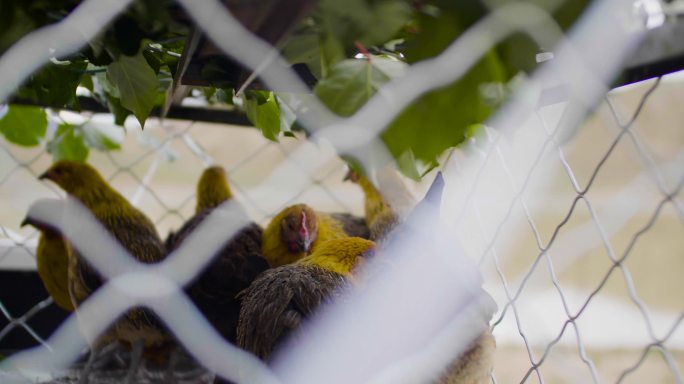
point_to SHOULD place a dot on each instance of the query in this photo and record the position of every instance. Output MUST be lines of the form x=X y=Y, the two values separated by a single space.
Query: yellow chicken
x=212 y=188
x=279 y=299
x=132 y=229
x=52 y=263
x=297 y=231
x=234 y=266
x=381 y=218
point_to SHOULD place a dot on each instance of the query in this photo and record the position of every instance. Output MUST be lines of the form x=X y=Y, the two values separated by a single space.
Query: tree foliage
x=23 y=126
x=352 y=47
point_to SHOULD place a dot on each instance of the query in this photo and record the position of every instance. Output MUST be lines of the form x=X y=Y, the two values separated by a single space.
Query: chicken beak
x=304 y=245
x=351 y=176
x=24 y=222
x=47 y=175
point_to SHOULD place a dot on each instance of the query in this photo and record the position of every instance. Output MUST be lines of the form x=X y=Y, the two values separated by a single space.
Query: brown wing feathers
x=278 y=301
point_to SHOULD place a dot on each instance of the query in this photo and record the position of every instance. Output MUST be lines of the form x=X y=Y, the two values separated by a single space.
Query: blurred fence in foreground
x=577 y=232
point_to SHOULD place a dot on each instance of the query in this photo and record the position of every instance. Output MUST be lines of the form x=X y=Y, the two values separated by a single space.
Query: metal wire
x=493 y=155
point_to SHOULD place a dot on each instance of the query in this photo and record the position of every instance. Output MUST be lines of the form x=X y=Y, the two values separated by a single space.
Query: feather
x=233 y=267
x=131 y=228
x=298 y=230
x=281 y=299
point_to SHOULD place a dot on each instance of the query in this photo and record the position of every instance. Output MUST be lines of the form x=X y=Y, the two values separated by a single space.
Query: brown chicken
x=279 y=300
x=475 y=364
x=233 y=267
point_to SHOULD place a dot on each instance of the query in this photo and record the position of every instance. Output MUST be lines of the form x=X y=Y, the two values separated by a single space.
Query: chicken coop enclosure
x=567 y=201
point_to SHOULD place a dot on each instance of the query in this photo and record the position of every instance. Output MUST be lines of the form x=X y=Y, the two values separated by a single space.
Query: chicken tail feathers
x=434 y=193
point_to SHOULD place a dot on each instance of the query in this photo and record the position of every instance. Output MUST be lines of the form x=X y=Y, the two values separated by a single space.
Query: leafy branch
x=351 y=48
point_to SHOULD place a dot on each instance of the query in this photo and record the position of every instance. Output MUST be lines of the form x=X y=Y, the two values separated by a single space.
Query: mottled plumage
x=474 y=365
x=354 y=226
x=279 y=300
x=233 y=267
x=131 y=228
x=52 y=263
x=212 y=190
x=297 y=231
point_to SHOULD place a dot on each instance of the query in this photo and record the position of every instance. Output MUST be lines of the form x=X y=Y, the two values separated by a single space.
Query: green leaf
x=164 y=85
x=224 y=96
x=208 y=93
x=427 y=168
x=475 y=131
x=435 y=33
x=137 y=84
x=388 y=18
x=107 y=87
x=407 y=164
x=369 y=22
x=352 y=82
x=68 y=144
x=120 y=113
x=87 y=82
x=436 y=121
x=24 y=125
x=303 y=47
x=287 y=116
x=154 y=59
x=15 y=24
x=519 y=51
x=440 y=119
x=172 y=63
x=54 y=85
x=102 y=137
x=332 y=51
x=263 y=111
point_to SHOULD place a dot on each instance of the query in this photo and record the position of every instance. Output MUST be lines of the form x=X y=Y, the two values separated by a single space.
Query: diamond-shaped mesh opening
x=577 y=232
x=594 y=256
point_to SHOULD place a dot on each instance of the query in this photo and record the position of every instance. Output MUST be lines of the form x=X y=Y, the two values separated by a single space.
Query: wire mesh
x=599 y=207
x=572 y=310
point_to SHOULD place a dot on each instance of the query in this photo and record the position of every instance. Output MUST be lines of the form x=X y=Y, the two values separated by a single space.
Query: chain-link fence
x=576 y=230
x=585 y=273
x=157 y=170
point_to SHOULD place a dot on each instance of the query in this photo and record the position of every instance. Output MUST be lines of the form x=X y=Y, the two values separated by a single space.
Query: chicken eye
x=369 y=254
